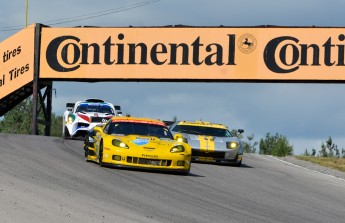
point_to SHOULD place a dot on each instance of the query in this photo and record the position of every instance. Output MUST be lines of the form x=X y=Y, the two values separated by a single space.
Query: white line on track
x=302 y=167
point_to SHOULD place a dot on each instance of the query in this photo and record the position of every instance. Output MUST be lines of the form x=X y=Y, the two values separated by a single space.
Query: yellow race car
x=137 y=142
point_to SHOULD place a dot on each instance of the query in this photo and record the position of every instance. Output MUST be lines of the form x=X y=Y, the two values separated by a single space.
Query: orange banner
x=17 y=61
x=194 y=53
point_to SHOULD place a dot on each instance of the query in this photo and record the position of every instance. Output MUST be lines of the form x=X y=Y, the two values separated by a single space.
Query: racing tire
x=186 y=172
x=66 y=133
x=238 y=164
x=86 y=149
x=100 y=155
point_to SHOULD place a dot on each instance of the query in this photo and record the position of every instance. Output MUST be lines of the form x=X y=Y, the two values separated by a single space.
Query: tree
x=18 y=120
x=306 y=153
x=337 y=153
x=276 y=145
x=313 y=153
x=323 y=151
x=56 y=125
x=328 y=149
x=248 y=146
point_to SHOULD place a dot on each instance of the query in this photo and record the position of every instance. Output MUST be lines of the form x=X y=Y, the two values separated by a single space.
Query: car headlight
x=119 y=143
x=181 y=139
x=232 y=145
x=177 y=149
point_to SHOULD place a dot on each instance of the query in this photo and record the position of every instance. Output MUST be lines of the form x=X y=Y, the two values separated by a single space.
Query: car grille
x=99 y=119
x=212 y=154
x=145 y=161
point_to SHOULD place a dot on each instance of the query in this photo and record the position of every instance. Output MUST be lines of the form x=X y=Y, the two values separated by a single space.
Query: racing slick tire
x=86 y=149
x=186 y=172
x=100 y=156
x=238 y=164
x=66 y=133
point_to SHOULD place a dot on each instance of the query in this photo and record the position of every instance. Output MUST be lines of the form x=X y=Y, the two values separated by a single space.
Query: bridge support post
x=41 y=102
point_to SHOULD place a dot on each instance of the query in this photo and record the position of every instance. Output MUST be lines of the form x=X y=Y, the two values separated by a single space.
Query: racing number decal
x=206 y=143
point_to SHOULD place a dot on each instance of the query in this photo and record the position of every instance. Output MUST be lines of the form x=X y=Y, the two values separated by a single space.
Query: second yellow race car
x=210 y=142
x=137 y=142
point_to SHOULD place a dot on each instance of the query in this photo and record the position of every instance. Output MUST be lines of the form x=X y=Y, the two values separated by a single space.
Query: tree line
x=18 y=120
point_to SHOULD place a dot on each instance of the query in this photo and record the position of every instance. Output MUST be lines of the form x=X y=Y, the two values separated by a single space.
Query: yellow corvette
x=137 y=142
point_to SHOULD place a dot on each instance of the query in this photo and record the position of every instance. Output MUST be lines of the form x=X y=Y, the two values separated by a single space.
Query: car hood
x=219 y=142
x=147 y=142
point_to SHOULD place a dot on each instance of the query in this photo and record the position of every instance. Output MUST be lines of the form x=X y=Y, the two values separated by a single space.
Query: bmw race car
x=137 y=143
x=84 y=115
x=210 y=142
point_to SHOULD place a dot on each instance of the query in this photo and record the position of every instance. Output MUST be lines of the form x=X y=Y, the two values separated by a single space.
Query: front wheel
x=184 y=172
x=66 y=133
x=100 y=155
x=86 y=149
x=238 y=164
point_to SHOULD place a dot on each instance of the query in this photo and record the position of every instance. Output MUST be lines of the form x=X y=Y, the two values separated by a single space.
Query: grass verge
x=330 y=162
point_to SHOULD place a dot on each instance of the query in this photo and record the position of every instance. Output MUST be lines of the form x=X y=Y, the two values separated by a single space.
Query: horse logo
x=247 y=43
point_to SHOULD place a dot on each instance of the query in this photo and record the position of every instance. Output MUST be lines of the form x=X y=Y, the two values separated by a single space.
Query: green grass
x=330 y=162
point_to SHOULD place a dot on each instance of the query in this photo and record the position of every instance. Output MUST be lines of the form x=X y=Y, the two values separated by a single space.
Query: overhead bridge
x=38 y=55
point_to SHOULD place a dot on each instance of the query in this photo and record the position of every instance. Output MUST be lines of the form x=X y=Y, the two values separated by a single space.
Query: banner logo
x=247 y=43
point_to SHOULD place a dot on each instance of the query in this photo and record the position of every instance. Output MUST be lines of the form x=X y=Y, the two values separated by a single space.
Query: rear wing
x=118 y=111
x=168 y=123
x=69 y=106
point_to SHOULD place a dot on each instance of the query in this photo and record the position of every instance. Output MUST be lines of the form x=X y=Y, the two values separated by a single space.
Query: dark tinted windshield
x=130 y=128
x=95 y=108
x=202 y=130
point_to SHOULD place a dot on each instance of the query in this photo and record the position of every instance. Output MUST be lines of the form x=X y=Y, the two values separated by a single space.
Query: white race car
x=82 y=116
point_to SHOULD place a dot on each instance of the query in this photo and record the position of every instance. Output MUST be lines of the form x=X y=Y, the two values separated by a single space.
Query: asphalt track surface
x=45 y=179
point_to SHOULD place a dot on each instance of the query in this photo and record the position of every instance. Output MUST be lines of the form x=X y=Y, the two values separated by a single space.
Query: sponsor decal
x=59 y=59
x=141 y=141
x=13 y=72
x=149 y=156
x=243 y=53
x=278 y=60
x=16 y=61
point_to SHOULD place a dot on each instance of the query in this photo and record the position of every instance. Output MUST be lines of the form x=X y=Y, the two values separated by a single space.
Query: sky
x=306 y=114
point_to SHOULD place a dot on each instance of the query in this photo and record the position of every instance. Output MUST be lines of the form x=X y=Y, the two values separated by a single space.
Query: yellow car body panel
x=147 y=150
x=203 y=123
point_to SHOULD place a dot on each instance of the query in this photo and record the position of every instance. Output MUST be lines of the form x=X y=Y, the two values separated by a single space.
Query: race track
x=45 y=179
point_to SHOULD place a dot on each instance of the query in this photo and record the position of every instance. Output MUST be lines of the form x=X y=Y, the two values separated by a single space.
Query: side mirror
x=240 y=131
x=95 y=130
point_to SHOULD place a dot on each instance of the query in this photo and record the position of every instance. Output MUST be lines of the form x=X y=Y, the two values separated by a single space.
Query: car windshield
x=202 y=130
x=95 y=108
x=145 y=129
